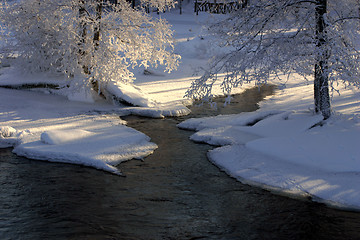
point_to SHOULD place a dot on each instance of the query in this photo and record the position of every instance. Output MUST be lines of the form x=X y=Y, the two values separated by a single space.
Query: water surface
x=176 y=193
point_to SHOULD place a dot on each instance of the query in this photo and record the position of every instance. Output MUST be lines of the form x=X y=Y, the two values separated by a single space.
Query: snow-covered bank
x=129 y=98
x=285 y=146
x=52 y=128
x=67 y=124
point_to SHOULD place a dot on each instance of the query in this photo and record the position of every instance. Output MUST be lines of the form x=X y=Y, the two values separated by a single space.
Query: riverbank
x=287 y=148
x=68 y=125
x=282 y=146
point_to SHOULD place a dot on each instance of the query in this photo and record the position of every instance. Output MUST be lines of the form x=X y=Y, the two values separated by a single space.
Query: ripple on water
x=176 y=193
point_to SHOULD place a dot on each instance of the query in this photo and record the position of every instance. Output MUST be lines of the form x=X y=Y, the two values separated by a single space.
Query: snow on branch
x=97 y=40
x=271 y=38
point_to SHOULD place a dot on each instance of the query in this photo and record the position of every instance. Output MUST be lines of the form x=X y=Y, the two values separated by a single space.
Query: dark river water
x=176 y=193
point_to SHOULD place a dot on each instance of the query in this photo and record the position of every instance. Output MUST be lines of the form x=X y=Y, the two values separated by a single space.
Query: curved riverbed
x=176 y=193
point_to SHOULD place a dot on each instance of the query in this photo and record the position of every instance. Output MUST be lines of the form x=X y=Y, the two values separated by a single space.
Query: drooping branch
x=88 y=41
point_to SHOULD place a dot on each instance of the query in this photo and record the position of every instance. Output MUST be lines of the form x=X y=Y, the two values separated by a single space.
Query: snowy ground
x=285 y=147
x=78 y=127
x=49 y=127
x=282 y=146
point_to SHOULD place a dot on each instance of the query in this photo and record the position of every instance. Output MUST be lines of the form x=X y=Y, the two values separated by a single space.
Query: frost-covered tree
x=94 y=41
x=316 y=39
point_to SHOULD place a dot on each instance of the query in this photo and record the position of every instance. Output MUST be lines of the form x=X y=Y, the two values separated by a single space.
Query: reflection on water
x=245 y=102
x=176 y=193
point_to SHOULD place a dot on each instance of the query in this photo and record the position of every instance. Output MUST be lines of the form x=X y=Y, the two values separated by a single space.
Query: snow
x=129 y=93
x=7 y=131
x=68 y=124
x=43 y=126
x=283 y=146
x=64 y=136
x=101 y=149
x=287 y=148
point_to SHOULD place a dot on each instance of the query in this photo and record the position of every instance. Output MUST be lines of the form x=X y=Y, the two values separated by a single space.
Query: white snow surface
x=129 y=93
x=49 y=127
x=55 y=137
x=287 y=148
x=283 y=146
x=76 y=126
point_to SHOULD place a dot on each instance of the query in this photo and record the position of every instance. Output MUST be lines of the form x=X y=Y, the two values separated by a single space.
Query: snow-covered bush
x=271 y=38
x=95 y=39
x=7 y=131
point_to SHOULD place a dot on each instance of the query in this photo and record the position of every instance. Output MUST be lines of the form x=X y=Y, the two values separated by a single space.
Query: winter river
x=176 y=193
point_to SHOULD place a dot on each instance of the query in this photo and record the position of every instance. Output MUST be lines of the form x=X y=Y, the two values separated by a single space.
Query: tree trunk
x=245 y=3
x=82 y=52
x=321 y=84
x=96 y=38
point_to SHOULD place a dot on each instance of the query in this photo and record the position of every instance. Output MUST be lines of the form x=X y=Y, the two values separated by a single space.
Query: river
x=175 y=193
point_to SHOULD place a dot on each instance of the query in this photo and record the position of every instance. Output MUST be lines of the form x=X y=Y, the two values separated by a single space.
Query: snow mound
x=80 y=95
x=7 y=131
x=160 y=111
x=285 y=124
x=293 y=152
x=242 y=119
x=246 y=127
x=224 y=136
x=322 y=148
x=10 y=137
x=252 y=167
x=63 y=136
x=102 y=149
x=128 y=93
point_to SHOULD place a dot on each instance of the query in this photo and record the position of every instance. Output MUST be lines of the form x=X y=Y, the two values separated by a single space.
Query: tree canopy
x=98 y=40
x=270 y=39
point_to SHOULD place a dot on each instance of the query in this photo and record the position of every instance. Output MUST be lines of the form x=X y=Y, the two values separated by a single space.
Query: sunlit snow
x=289 y=148
x=283 y=146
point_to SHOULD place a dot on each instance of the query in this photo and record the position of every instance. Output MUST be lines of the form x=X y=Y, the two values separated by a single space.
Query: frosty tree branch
x=85 y=40
x=268 y=39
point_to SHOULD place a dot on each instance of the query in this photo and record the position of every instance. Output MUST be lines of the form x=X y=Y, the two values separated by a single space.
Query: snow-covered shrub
x=96 y=39
x=7 y=131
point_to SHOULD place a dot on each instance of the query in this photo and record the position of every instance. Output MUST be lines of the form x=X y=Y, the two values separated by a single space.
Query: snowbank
x=129 y=94
x=7 y=131
x=64 y=136
x=291 y=151
x=52 y=128
x=9 y=136
x=282 y=146
x=102 y=149
x=43 y=124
